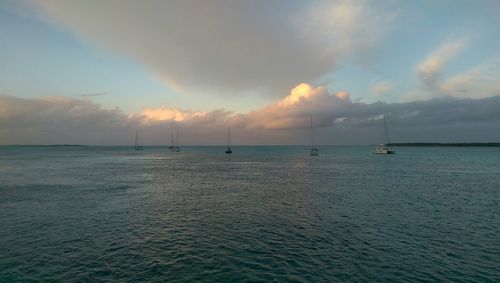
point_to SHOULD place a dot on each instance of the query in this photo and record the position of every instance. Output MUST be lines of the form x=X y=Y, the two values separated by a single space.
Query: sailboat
x=384 y=148
x=172 y=146
x=176 y=147
x=136 y=144
x=314 y=150
x=228 y=149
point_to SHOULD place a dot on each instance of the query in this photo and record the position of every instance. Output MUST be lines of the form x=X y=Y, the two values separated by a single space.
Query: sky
x=94 y=72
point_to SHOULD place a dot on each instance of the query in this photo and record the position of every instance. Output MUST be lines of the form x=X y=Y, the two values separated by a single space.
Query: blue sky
x=190 y=58
x=420 y=28
x=40 y=59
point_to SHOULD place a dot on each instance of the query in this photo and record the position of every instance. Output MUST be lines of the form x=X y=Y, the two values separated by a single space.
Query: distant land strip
x=410 y=144
x=433 y=144
x=45 y=145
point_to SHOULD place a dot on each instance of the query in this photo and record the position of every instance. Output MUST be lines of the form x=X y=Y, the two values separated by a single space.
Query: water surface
x=262 y=213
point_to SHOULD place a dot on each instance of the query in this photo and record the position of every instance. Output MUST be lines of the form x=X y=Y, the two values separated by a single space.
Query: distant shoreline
x=432 y=144
x=47 y=145
x=411 y=144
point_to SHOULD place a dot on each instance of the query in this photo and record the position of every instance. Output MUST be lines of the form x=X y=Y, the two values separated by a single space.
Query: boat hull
x=383 y=149
x=384 y=152
x=314 y=152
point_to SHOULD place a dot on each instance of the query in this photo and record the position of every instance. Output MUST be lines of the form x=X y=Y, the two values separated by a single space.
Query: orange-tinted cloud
x=168 y=114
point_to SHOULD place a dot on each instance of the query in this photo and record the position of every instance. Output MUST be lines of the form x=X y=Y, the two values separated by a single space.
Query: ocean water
x=260 y=214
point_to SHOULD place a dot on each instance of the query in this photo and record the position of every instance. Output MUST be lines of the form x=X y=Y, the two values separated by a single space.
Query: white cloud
x=293 y=111
x=430 y=70
x=478 y=82
x=343 y=28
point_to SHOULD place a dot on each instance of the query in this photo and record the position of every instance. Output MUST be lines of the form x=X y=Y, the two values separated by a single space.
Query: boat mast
x=177 y=137
x=312 y=131
x=172 y=135
x=386 y=131
x=136 y=138
x=228 y=136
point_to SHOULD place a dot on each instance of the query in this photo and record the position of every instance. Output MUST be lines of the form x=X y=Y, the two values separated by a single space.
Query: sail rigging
x=384 y=148
x=136 y=143
x=314 y=150
x=386 y=132
x=228 y=149
x=176 y=147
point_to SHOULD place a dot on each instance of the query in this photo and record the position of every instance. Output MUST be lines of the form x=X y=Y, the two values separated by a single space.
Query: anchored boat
x=228 y=148
x=136 y=144
x=384 y=148
x=314 y=150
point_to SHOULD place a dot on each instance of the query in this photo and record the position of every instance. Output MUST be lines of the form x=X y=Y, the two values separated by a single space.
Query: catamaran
x=228 y=148
x=136 y=144
x=314 y=150
x=384 y=148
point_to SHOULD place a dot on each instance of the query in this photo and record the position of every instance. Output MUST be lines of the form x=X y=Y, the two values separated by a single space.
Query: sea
x=261 y=214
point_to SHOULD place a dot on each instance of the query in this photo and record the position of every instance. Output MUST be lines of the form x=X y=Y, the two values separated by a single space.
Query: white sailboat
x=228 y=148
x=314 y=150
x=136 y=144
x=384 y=148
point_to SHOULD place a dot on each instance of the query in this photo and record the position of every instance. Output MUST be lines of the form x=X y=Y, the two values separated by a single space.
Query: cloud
x=343 y=28
x=478 y=81
x=169 y=114
x=430 y=70
x=379 y=88
x=338 y=119
x=230 y=47
x=59 y=120
x=93 y=94
x=294 y=110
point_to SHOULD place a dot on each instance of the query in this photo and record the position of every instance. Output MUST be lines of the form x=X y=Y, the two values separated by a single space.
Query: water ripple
x=109 y=214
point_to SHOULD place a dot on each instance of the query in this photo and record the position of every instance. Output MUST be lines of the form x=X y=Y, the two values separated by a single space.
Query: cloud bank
x=339 y=120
